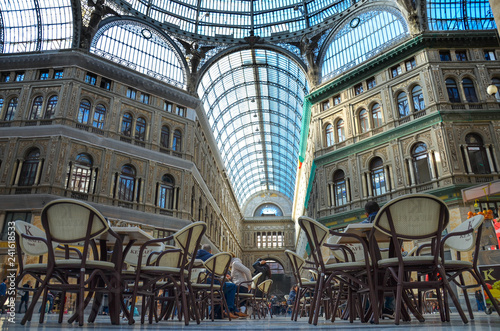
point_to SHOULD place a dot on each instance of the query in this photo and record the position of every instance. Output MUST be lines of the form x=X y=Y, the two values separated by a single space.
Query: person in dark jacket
x=25 y=296
x=371 y=210
x=261 y=266
x=3 y=294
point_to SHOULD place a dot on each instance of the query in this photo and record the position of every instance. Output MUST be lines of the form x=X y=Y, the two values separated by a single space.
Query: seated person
x=239 y=274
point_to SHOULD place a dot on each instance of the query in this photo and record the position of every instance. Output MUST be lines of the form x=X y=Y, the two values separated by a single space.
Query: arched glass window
x=36 y=108
x=329 y=135
x=142 y=48
x=11 y=110
x=50 y=109
x=421 y=163
x=81 y=173
x=376 y=115
x=126 y=125
x=30 y=168
x=477 y=154
x=177 y=143
x=403 y=108
x=126 y=183
x=340 y=188
x=165 y=137
x=268 y=209
x=340 y=131
x=451 y=87
x=84 y=112
x=361 y=38
x=166 y=196
x=363 y=120
x=1 y=105
x=469 y=90
x=377 y=176
x=99 y=116
x=140 y=129
x=418 y=98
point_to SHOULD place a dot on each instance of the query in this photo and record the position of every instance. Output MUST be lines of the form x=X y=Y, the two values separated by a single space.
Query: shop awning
x=481 y=191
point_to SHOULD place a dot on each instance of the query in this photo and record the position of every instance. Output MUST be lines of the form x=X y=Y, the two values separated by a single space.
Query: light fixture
x=256 y=129
x=255 y=115
x=253 y=100
x=492 y=89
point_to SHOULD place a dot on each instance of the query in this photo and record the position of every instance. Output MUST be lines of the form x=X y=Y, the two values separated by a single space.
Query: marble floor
x=481 y=322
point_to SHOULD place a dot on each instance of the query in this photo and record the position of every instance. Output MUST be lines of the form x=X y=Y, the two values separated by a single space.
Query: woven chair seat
x=69 y=263
x=457 y=264
x=408 y=260
x=35 y=266
x=205 y=286
x=345 y=266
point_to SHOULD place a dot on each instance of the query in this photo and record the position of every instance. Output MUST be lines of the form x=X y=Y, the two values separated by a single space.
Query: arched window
x=83 y=112
x=451 y=87
x=340 y=188
x=140 y=129
x=36 y=108
x=166 y=196
x=376 y=116
x=177 y=143
x=30 y=168
x=421 y=163
x=81 y=173
x=477 y=154
x=126 y=183
x=1 y=105
x=363 y=120
x=268 y=209
x=11 y=110
x=165 y=137
x=50 y=108
x=469 y=90
x=99 y=116
x=126 y=125
x=329 y=135
x=403 y=108
x=418 y=98
x=340 y=131
x=377 y=176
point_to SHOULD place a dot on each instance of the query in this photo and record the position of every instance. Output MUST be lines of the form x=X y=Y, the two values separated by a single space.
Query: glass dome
x=230 y=20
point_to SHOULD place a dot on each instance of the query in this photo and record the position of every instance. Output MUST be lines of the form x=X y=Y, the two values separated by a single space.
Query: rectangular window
x=144 y=98
x=410 y=64
x=358 y=89
x=58 y=74
x=445 y=55
x=131 y=93
x=91 y=78
x=181 y=111
x=5 y=77
x=326 y=105
x=336 y=100
x=19 y=76
x=461 y=55
x=396 y=71
x=167 y=106
x=44 y=75
x=489 y=55
x=105 y=83
x=371 y=83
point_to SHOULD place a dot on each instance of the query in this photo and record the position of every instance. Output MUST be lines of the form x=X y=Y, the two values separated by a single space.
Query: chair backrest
x=30 y=246
x=265 y=286
x=170 y=257
x=218 y=264
x=132 y=256
x=255 y=280
x=72 y=221
x=316 y=234
x=297 y=263
x=188 y=240
x=413 y=216
x=465 y=242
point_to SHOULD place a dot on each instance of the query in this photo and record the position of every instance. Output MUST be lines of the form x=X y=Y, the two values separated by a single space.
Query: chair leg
x=42 y=308
x=316 y=300
x=466 y=296
x=452 y=295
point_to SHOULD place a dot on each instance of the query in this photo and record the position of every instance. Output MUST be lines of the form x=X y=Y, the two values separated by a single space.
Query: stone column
x=467 y=160
x=370 y=187
x=38 y=170
x=363 y=184
x=490 y=160
x=432 y=164
x=348 y=189
x=18 y=175
x=412 y=172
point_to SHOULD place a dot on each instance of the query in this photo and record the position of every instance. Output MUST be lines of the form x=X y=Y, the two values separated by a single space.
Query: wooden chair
x=356 y=276
x=412 y=217
x=73 y=222
x=464 y=238
x=305 y=285
x=211 y=293
x=247 y=297
x=260 y=303
x=175 y=279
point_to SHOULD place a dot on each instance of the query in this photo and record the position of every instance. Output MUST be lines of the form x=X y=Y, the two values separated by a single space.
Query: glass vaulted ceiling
x=236 y=19
x=253 y=99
